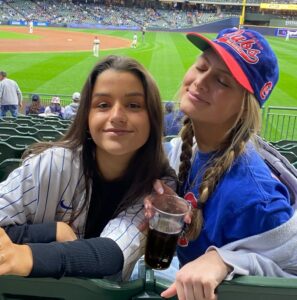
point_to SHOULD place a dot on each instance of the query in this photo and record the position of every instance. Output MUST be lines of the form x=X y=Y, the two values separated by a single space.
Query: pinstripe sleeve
x=32 y=192
x=19 y=195
x=124 y=231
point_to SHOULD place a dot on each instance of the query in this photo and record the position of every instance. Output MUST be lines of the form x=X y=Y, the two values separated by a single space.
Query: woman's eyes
x=129 y=105
x=103 y=105
x=134 y=106
x=223 y=82
x=201 y=68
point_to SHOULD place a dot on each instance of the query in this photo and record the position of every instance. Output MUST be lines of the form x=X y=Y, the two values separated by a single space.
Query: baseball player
x=30 y=26
x=288 y=35
x=96 y=45
x=143 y=33
x=134 y=41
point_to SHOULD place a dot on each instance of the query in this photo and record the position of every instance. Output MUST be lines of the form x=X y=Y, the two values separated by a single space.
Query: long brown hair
x=245 y=128
x=149 y=163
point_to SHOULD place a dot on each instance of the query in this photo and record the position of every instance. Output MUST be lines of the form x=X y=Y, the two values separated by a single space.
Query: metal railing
x=279 y=123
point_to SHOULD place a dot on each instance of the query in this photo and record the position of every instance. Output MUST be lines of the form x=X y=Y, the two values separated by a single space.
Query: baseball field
x=57 y=61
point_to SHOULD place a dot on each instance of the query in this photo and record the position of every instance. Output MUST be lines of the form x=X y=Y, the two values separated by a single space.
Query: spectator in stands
x=169 y=107
x=35 y=107
x=238 y=205
x=71 y=109
x=10 y=95
x=55 y=108
x=94 y=179
x=172 y=120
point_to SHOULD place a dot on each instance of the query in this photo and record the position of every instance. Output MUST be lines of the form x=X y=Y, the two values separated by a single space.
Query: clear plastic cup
x=165 y=226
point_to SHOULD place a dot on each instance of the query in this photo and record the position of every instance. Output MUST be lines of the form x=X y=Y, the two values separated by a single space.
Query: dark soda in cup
x=160 y=249
x=165 y=225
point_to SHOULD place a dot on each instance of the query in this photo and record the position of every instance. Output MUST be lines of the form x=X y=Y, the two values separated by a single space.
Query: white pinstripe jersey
x=50 y=187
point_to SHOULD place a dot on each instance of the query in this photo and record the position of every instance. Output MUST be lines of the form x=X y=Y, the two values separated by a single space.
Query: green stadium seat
x=8 y=124
x=7 y=166
x=47 y=135
x=258 y=288
x=8 y=118
x=21 y=141
x=19 y=288
x=8 y=151
x=25 y=122
x=4 y=137
x=25 y=130
x=240 y=288
x=148 y=287
x=62 y=130
x=290 y=156
x=283 y=143
x=293 y=149
x=44 y=126
x=53 y=122
x=9 y=131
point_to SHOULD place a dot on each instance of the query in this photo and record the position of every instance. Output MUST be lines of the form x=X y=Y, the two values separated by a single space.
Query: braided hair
x=245 y=128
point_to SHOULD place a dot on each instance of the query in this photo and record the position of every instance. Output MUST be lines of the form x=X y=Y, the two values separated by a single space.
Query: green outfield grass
x=15 y=35
x=166 y=55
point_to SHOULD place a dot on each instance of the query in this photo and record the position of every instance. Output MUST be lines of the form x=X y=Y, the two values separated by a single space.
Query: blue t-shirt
x=247 y=201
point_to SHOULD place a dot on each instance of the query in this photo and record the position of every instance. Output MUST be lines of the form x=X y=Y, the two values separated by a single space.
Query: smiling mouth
x=195 y=98
x=117 y=131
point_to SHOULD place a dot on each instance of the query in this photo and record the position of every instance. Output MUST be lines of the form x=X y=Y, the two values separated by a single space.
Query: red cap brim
x=204 y=43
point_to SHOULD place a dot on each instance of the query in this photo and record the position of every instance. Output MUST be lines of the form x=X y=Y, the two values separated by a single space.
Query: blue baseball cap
x=248 y=56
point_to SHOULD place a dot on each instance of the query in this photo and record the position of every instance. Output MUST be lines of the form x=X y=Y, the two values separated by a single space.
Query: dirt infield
x=58 y=40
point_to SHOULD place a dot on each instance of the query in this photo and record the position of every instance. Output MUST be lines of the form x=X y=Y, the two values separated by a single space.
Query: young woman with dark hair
x=90 y=184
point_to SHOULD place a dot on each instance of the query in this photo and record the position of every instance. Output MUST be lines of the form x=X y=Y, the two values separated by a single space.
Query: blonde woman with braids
x=233 y=193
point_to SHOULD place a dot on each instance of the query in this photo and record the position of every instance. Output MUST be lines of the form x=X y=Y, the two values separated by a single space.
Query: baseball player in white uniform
x=96 y=46
x=31 y=26
x=134 y=41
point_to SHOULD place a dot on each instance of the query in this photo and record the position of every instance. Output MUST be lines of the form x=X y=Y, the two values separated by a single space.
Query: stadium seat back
x=21 y=141
x=258 y=288
x=7 y=166
x=25 y=122
x=44 y=126
x=47 y=135
x=27 y=130
x=8 y=124
x=8 y=130
x=19 y=288
x=8 y=151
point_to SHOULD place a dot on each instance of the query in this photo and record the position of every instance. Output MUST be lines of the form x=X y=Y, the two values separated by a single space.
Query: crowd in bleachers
x=142 y=13
x=162 y=15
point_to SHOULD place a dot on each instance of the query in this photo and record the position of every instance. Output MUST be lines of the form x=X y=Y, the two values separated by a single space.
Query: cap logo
x=242 y=45
x=265 y=90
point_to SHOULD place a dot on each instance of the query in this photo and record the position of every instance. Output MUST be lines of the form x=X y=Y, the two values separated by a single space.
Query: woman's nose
x=118 y=114
x=201 y=82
